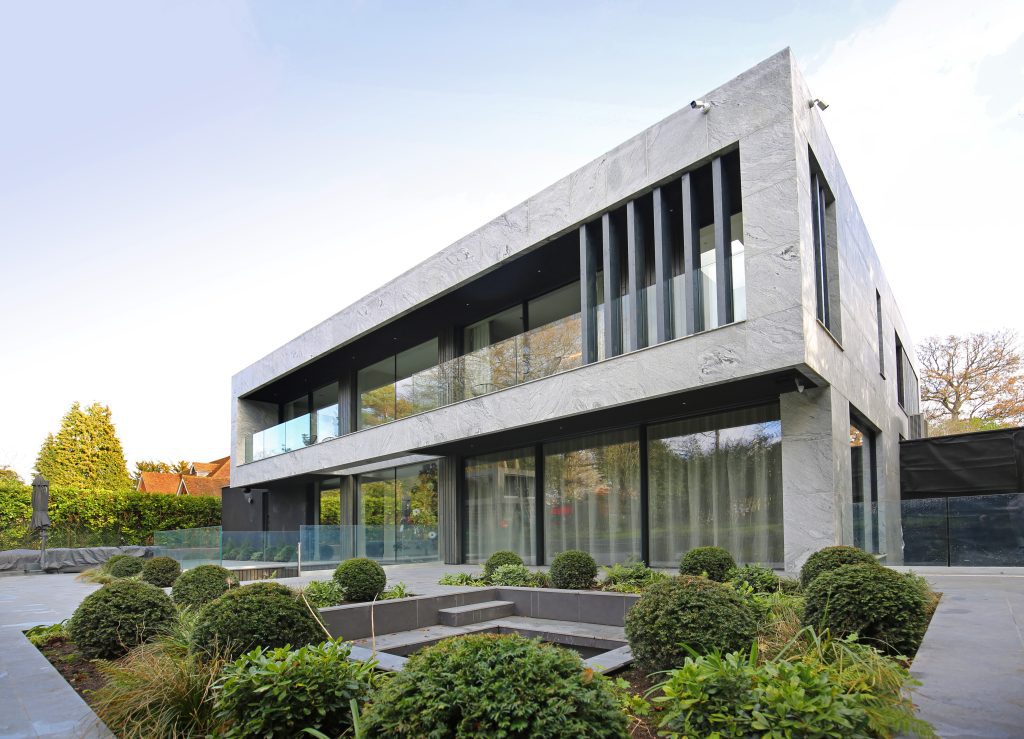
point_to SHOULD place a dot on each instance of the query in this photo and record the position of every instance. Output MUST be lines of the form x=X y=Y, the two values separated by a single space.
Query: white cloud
x=927 y=121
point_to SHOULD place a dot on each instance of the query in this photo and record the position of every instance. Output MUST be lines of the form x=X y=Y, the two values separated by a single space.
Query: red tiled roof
x=200 y=486
x=223 y=469
x=159 y=482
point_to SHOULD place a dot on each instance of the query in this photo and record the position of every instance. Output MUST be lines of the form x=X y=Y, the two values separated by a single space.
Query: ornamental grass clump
x=495 y=685
x=123 y=565
x=119 y=616
x=884 y=608
x=200 y=585
x=714 y=562
x=264 y=614
x=573 y=570
x=674 y=616
x=500 y=558
x=630 y=577
x=161 y=571
x=360 y=579
x=280 y=692
x=830 y=558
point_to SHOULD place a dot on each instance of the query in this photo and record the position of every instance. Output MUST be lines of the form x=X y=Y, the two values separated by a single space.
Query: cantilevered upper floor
x=721 y=244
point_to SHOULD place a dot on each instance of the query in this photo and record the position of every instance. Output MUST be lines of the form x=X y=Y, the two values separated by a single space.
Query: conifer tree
x=85 y=453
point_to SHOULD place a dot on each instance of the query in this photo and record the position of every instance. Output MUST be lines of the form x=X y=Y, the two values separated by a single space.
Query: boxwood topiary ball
x=119 y=616
x=687 y=610
x=831 y=558
x=495 y=685
x=573 y=570
x=126 y=566
x=264 y=614
x=500 y=558
x=361 y=579
x=714 y=561
x=200 y=585
x=884 y=608
x=161 y=571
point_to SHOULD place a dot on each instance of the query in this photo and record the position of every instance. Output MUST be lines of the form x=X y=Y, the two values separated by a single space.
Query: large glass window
x=826 y=251
x=399 y=386
x=500 y=505
x=398 y=513
x=592 y=496
x=325 y=412
x=554 y=342
x=865 y=489
x=717 y=480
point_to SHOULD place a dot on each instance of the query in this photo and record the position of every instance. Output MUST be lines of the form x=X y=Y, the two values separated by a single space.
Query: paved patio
x=971 y=663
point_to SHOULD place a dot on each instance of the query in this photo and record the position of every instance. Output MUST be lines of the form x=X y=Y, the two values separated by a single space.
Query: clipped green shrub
x=573 y=570
x=360 y=579
x=323 y=593
x=513 y=576
x=760 y=579
x=265 y=614
x=256 y=556
x=128 y=566
x=831 y=558
x=714 y=561
x=279 y=692
x=161 y=571
x=116 y=558
x=119 y=616
x=495 y=685
x=200 y=585
x=499 y=558
x=285 y=554
x=883 y=607
x=695 y=611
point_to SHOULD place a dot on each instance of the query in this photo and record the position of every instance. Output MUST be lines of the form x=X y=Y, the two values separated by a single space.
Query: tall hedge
x=100 y=517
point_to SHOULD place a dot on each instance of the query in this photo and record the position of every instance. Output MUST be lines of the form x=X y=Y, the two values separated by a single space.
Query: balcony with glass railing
x=541 y=352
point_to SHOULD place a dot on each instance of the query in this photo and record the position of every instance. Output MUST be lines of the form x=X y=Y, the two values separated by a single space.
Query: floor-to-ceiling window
x=717 y=480
x=592 y=496
x=399 y=386
x=398 y=513
x=500 y=505
x=866 y=534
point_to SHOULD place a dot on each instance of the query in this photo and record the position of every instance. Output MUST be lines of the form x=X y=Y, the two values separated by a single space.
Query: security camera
x=702 y=104
x=818 y=103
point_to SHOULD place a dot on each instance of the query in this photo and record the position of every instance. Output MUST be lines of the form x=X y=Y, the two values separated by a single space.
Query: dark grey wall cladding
x=241 y=511
x=362 y=620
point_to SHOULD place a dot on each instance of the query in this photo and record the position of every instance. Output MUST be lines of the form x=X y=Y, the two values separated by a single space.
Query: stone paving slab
x=971 y=662
x=35 y=700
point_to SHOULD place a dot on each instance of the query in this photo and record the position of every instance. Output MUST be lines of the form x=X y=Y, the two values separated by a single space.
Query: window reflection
x=500 y=505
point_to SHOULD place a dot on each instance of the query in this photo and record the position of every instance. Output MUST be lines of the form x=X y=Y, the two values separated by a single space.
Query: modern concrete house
x=687 y=341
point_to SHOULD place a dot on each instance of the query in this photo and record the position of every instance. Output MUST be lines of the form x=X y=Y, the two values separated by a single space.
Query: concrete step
x=476 y=613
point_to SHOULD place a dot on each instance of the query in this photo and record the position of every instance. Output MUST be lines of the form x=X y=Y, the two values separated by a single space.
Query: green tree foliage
x=100 y=517
x=181 y=467
x=86 y=452
x=9 y=475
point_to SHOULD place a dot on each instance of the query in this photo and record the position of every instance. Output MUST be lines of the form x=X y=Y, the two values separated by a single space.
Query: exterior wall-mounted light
x=817 y=103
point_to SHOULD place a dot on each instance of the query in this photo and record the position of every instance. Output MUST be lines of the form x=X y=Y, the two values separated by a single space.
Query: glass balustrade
x=541 y=352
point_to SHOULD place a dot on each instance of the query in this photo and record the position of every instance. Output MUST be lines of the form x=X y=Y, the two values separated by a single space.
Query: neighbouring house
x=688 y=341
x=203 y=478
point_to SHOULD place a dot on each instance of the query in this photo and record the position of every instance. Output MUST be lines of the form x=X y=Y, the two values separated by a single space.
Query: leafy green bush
x=100 y=517
x=513 y=576
x=113 y=560
x=119 y=616
x=361 y=579
x=573 y=570
x=462 y=578
x=396 y=591
x=495 y=685
x=200 y=585
x=760 y=579
x=323 y=593
x=264 y=614
x=732 y=695
x=692 y=611
x=41 y=635
x=630 y=577
x=831 y=558
x=161 y=571
x=883 y=607
x=713 y=561
x=279 y=692
x=126 y=567
x=499 y=558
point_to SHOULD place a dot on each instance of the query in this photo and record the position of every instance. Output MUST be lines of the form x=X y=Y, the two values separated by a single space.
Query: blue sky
x=187 y=185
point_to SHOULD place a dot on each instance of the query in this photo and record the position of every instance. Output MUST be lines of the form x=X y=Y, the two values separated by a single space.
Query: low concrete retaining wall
x=361 y=620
